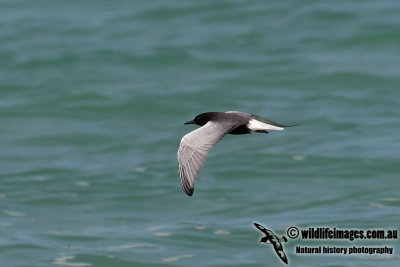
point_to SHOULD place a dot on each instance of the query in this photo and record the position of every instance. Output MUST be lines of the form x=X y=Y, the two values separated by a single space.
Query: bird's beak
x=189 y=122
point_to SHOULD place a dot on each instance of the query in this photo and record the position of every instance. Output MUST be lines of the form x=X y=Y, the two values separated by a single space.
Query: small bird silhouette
x=274 y=240
x=195 y=145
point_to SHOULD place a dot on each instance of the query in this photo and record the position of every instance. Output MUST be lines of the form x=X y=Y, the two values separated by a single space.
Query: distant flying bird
x=274 y=240
x=195 y=145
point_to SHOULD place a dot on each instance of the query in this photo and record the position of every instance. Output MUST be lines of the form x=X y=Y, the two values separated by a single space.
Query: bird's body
x=195 y=145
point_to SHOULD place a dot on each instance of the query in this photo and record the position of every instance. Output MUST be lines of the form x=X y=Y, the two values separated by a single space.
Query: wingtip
x=189 y=191
x=293 y=125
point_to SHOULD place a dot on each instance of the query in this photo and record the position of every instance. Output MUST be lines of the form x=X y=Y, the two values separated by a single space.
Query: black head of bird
x=201 y=119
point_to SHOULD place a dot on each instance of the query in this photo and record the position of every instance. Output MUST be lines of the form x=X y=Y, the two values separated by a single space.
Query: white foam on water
x=391 y=199
x=177 y=258
x=141 y=169
x=14 y=213
x=299 y=157
x=222 y=232
x=200 y=227
x=161 y=234
x=376 y=205
x=65 y=261
x=82 y=184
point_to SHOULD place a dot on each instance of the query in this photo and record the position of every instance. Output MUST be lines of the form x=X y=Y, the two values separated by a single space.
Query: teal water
x=93 y=96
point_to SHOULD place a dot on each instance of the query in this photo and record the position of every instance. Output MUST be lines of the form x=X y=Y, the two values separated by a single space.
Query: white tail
x=255 y=125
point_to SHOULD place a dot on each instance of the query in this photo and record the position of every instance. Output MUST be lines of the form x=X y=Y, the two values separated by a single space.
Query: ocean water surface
x=93 y=97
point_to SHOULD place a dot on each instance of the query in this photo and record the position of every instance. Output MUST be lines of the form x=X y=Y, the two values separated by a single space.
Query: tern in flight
x=195 y=145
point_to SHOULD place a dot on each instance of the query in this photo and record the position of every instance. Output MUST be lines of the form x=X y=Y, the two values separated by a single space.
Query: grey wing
x=241 y=114
x=193 y=150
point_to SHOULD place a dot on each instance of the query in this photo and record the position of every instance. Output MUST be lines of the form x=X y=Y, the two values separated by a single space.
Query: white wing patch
x=255 y=125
